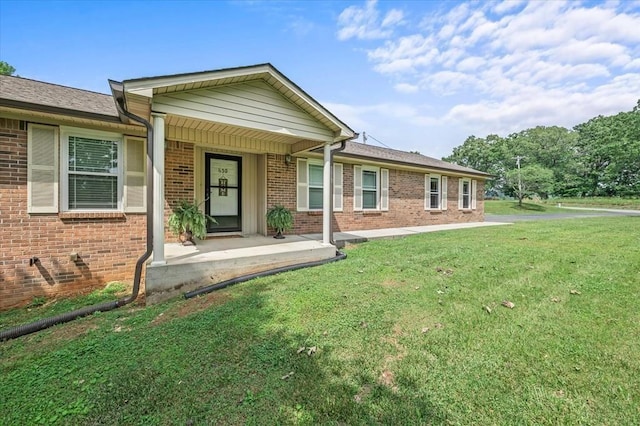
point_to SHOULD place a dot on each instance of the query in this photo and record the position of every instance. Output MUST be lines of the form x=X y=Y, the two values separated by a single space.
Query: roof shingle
x=360 y=150
x=17 y=90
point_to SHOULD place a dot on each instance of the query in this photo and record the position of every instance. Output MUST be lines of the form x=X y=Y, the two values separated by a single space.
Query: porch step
x=195 y=268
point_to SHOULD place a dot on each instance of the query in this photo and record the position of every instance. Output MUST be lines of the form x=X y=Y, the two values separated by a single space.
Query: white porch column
x=158 y=188
x=326 y=195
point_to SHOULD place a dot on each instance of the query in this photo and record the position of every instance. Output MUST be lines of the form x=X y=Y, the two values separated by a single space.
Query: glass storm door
x=223 y=192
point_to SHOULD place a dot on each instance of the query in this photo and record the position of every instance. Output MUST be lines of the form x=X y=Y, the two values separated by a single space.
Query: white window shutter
x=427 y=191
x=357 y=188
x=443 y=191
x=135 y=188
x=460 y=194
x=474 y=186
x=337 y=187
x=42 y=169
x=384 y=189
x=303 y=185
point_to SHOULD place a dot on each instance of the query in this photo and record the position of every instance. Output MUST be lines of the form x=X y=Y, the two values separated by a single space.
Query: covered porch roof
x=254 y=102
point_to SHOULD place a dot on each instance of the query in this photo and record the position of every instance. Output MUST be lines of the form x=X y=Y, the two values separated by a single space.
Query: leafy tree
x=6 y=69
x=550 y=147
x=530 y=180
x=599 y=157
x=484 y=154
x=610 y=151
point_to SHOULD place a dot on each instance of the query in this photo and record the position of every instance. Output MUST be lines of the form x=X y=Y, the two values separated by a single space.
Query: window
x=435 y=195
x=315 y=187
x=310 y=177
x=93 y=174
x=467 y=194
x=370 y=188
x=96 y=171
x=102 y=171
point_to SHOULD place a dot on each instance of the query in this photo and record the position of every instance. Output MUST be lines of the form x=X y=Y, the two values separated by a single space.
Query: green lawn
x=402 y=335
x=599 y=202
x=506 y=207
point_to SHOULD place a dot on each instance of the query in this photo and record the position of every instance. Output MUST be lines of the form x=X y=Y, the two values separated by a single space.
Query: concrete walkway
x=626 y=212
x=572 y=213
x=372 y=234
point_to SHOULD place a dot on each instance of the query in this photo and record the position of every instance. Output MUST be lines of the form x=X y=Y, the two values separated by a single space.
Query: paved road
x=575 y=212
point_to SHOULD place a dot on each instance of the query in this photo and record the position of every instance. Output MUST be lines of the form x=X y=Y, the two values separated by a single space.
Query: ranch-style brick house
x=73 y=180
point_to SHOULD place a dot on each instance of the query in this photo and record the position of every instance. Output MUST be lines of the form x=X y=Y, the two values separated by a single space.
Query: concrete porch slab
x=211 y=261
x=341 y=238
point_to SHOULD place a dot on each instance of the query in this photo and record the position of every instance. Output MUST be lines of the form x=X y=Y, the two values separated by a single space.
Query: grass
x=401 y=332
x=507 y=207
x=42 y=307
x=599 y=202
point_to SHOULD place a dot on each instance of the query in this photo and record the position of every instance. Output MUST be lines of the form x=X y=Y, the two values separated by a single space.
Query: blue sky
x=414 y=75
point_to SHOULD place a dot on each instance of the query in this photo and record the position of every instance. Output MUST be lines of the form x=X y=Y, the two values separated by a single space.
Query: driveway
x=572 y=213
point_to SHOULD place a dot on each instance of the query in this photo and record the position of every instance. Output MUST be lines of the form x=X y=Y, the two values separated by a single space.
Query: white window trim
x=427 y=191
x=304 y=186
x=377 y=171
x=54 y=168
x=338 y=169
x=127 y=173
x=313 y=162
x=472 y=201
x=65 y=133
x=382 y=192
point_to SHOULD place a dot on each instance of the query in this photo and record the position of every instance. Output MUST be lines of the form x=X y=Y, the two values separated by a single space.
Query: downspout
x=121 y=105
x=12 y=333
x=343 y=145
x=243 y=278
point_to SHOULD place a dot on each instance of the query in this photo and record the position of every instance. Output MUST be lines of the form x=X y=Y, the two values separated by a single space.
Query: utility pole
x=518 y=158
x=364 y=138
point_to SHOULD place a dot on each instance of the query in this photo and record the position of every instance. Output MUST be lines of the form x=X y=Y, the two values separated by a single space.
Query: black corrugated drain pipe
x=12 y=333
x=213 y=287
x=243 y=278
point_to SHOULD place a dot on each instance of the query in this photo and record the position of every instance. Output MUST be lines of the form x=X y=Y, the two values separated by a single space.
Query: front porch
x=227 y=139
x=214 y=260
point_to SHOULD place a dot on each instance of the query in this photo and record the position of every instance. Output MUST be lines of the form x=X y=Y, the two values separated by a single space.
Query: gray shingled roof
x=37 y=95
x=360 y=150
x=25 y=93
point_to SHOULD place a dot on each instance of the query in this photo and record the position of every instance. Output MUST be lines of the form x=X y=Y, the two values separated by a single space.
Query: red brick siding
x=179 y=178
x=406 y=201
x=107 y=247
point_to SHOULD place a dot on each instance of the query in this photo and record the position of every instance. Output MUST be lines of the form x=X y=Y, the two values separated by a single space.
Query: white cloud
x=406 y=88
x=506 y=6
x=365 y=24
x=504 y=67
x=394 y=17
x=635 y=64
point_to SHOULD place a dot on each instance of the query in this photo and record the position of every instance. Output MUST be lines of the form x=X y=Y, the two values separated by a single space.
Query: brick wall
x=179 y=178
x=108 y=246
x=406 y=201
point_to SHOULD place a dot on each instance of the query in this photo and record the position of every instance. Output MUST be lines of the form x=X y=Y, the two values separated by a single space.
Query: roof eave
x=414 y=165
x=11 y=103
x=145 y=87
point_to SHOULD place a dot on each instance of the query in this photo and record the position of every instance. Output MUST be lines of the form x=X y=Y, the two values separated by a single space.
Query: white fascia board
x=145 y=88
x=140 y=86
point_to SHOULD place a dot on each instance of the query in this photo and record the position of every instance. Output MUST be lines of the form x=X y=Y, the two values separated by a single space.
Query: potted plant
x=280 y=219
x=188 y=221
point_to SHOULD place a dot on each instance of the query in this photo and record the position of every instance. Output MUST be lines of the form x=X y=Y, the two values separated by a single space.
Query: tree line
x=598 y=158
